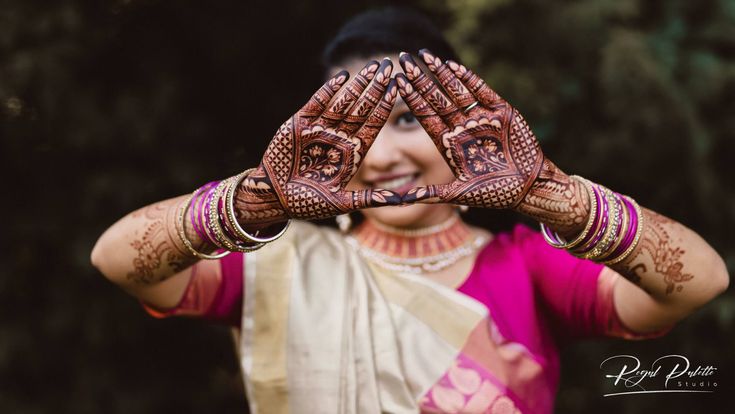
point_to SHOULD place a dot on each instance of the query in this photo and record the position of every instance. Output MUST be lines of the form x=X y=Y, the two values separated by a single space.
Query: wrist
x=558 y=201
x=256 y=204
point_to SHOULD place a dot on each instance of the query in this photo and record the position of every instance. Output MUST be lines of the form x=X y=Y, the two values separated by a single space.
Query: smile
x=399 y=184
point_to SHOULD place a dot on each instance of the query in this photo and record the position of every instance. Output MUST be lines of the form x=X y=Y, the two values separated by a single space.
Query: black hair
x=386 y=31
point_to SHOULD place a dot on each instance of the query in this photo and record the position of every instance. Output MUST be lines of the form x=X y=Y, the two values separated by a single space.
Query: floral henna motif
x=157 y=248
x=320 y=164
x=656 y=246
x=489 y=146
x=316 y=152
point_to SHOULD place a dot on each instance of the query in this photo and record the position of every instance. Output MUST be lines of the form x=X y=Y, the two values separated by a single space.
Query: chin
x=415 y=215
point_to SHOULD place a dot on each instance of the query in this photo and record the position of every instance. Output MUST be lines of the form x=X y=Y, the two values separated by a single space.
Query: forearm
x=144 y=248
x=670 y=262
x=673 y=264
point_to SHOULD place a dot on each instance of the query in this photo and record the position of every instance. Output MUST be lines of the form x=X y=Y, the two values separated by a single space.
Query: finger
x=429 y=194
x=346 y=97
x=368 y=101
x=474 y=83
x=457 y=91
x=430 y=91
x=374 y=197
x=318 y=102
x=424 y=113
x=365 y=136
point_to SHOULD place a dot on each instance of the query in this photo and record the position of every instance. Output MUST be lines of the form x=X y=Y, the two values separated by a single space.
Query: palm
x=493 y=153
x=317 y=151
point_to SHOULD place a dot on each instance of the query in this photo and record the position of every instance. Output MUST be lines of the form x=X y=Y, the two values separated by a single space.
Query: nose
x=384 y=154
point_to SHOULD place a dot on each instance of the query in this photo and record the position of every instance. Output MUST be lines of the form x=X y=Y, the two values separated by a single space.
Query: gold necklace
x=424 y=250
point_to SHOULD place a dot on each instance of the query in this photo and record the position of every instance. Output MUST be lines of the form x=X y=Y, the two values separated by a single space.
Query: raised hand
x=316 y=152
x=493 y=153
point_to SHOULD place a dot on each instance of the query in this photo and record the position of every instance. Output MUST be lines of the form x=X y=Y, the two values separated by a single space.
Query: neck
x=416 y=242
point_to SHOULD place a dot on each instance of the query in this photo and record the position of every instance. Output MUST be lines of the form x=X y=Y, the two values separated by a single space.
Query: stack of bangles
x=612 y=230
x=210 y=210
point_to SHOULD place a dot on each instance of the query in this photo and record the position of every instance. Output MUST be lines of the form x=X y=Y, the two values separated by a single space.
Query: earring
x=344 y=222
x=463 y=209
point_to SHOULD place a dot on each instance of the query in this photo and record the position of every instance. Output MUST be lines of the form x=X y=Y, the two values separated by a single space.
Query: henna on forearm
x=657 y=264
x=157 y=249
x=558 y=201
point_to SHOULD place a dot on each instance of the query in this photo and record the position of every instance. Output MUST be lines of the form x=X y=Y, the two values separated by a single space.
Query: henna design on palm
x=493 y=153
x=317 y=151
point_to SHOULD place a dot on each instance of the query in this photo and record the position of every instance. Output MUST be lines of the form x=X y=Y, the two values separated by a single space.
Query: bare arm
x=143 y=254
x=671 y=272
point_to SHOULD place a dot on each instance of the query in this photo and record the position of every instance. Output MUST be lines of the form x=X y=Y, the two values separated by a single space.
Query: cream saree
x=325 y=332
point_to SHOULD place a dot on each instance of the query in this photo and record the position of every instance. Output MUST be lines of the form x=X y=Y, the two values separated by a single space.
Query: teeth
x=394 y=183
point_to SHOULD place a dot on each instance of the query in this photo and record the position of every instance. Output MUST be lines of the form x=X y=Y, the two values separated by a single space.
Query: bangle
x=601 y=223
x=637 y=223
x=185 y=241
x=613 y=224
x=622 y=232
x=557 y=241
x=613 y=229
x=195 y=207
x=232 y=220
x=215 y=226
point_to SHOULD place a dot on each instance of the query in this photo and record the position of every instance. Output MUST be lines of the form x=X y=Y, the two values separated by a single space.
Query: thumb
x=429 y=194
x=374 y=197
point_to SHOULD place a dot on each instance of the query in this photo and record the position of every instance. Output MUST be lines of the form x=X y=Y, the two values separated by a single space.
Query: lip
x=389 y=177
x=404 y=188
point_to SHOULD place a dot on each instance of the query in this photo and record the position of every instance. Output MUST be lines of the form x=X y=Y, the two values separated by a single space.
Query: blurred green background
x=106 y=106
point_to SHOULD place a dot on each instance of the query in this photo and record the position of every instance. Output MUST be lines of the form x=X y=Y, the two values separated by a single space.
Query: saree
x=324 y=331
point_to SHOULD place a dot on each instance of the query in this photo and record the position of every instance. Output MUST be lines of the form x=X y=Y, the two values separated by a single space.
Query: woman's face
x=402 y=157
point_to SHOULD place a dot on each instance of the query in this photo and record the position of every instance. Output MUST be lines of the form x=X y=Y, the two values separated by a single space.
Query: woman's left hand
x=493 y=153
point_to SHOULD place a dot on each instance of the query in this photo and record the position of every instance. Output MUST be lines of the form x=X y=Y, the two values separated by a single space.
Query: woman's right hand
x=316 y=152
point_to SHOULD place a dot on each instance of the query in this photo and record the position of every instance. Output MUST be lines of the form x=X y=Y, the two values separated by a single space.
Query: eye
x=406 y=120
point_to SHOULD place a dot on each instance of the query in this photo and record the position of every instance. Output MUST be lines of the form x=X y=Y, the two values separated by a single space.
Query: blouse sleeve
x=614 y=326
x=573 y=291
x=215 y=296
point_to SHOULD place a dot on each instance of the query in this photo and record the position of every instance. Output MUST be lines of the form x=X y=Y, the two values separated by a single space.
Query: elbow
x=718 y=281
x=98 y=259
x=721 y=278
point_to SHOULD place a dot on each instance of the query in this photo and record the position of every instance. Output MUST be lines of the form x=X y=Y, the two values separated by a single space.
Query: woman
x=413 y=309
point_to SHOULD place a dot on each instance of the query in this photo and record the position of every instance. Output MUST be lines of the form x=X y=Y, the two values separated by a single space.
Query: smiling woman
x=414 y=309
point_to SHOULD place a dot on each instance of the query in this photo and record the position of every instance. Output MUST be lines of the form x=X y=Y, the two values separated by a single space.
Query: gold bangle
x=216 y=229
x=613 y=222
x=636 y=239
x=182 y=234
x=232 y=220
x=590 y=220
x=621 y=233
